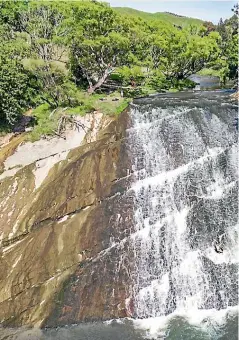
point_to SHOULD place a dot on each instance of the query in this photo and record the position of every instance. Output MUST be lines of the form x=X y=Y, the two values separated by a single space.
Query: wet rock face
x=64 y=241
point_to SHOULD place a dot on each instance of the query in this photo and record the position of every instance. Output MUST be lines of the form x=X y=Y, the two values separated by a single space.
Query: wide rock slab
x=64 y=233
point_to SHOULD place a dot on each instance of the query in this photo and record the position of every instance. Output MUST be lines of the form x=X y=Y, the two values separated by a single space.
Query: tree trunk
x=100 y=82
x=180 y=76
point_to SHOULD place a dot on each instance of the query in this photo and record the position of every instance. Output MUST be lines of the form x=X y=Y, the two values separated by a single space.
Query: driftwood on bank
x=67 y=120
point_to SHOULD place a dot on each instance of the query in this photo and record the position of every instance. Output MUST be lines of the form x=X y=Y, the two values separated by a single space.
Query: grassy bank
x=47 y=119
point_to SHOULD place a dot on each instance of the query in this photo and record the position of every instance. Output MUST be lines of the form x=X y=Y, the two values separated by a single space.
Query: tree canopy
x=52 y=50
x=228 y=31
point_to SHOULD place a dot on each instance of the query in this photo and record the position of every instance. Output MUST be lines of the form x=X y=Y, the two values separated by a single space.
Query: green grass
x=99 y=102
x=46 y=122
x=110 y=106
x=160 y=16
x=47 y=119
x=123 y=106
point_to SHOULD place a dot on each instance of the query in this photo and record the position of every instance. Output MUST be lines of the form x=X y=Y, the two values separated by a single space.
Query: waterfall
x=184 y=150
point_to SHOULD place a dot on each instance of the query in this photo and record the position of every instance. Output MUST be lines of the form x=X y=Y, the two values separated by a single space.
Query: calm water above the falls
x=184 y=155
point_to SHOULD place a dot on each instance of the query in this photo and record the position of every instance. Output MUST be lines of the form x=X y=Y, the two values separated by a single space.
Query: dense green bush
x=17 y=88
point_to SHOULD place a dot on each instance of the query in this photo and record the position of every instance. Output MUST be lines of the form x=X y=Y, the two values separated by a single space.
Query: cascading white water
x=185 y=163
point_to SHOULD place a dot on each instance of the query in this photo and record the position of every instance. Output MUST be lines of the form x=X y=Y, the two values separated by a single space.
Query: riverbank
x=48 y=122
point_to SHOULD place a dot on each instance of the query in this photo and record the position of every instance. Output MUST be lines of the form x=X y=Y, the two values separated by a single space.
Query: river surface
x=220 y=326
x=205 y=82
x=184 y=245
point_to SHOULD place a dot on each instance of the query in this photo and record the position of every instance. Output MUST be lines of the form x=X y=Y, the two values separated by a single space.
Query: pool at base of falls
x=194 y=325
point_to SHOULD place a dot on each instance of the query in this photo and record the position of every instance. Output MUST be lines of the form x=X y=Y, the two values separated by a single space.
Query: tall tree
x=10 y=13
x=180 y=53
x=228 y=31
x=49 y=26
x=101 y=43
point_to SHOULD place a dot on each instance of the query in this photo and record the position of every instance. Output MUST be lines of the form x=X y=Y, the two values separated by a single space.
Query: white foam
x=173 y=174
x=180 y=218
x=230 y=248
x=176 y=172
x=155 y=328
x=161 y=115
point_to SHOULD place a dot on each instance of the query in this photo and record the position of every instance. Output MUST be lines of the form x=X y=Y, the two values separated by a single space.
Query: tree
x=235 y=9
x=49 y=26
x=101 y=43
x=180 y=53
x=52 y=80
x=228 y=31
x=17 y=86
x=10 y=13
